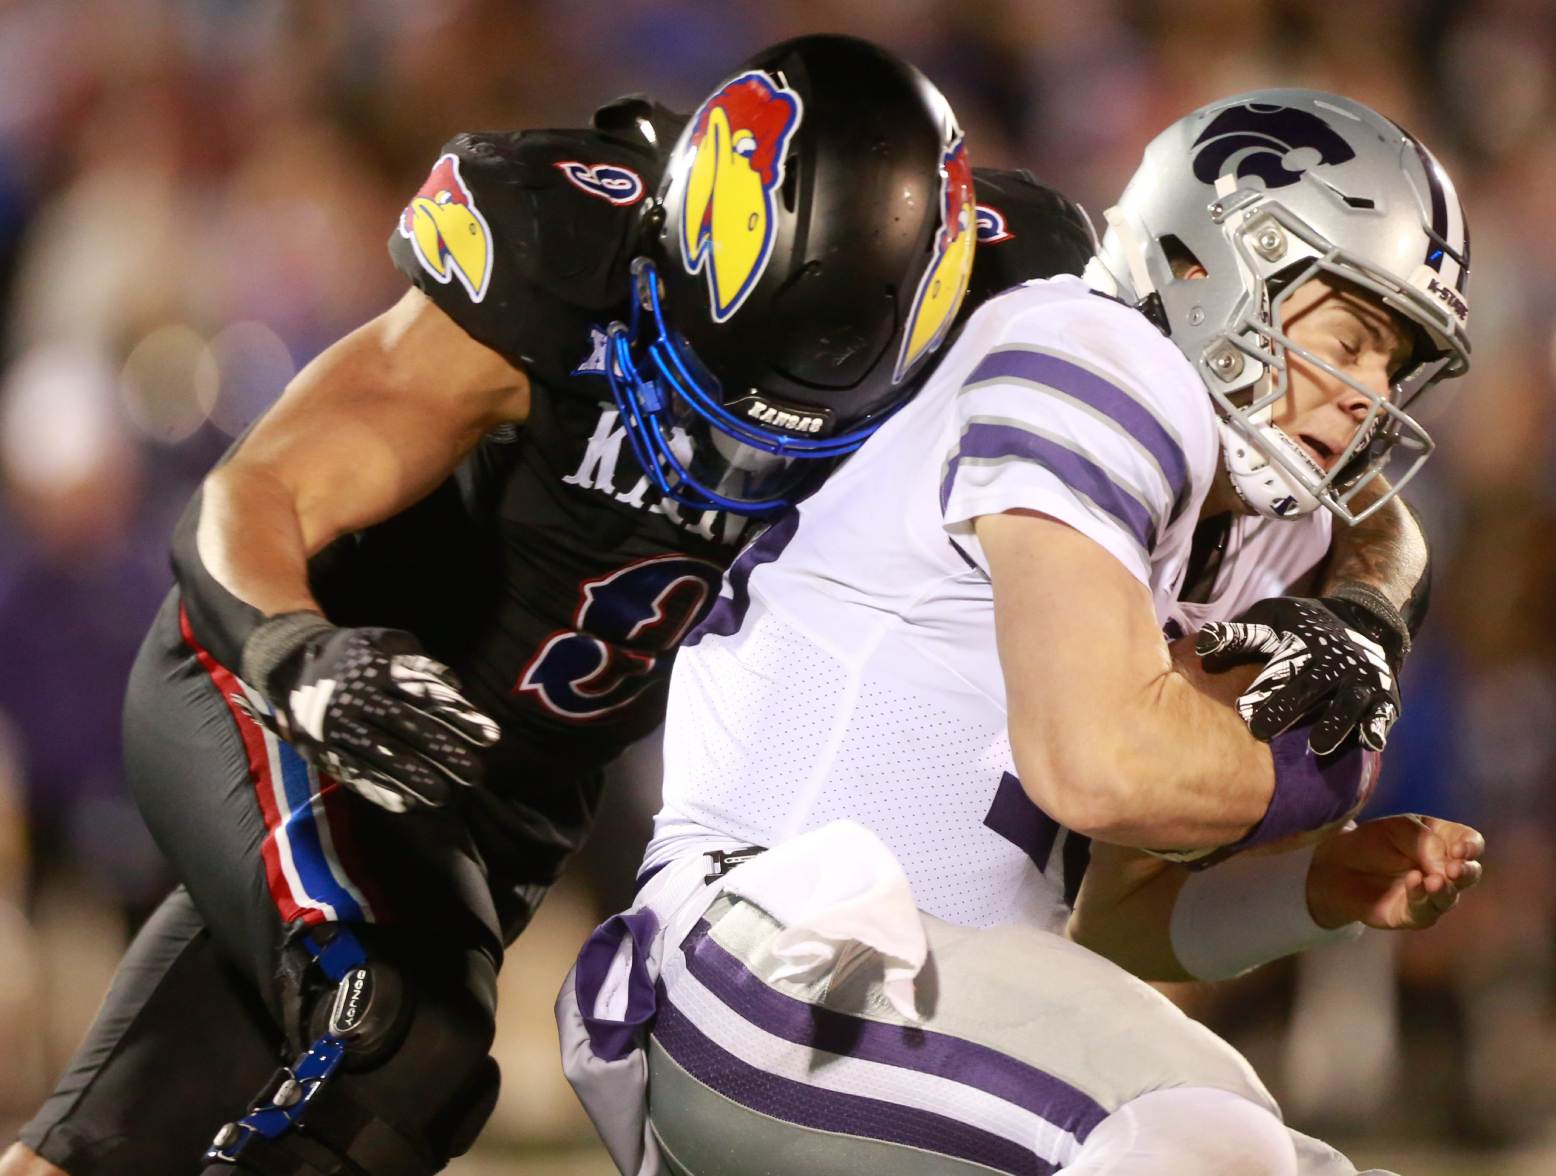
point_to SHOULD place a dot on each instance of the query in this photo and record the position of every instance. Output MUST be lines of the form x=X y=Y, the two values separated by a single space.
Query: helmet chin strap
x=1263 y=484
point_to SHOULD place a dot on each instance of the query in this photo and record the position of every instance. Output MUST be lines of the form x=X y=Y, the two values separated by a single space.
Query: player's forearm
x=1386 y=551
x=1190 y=774
x=251 y=540
x=1161 y=921
x=239 y=557
x=1124 y=911
x=1168 y=766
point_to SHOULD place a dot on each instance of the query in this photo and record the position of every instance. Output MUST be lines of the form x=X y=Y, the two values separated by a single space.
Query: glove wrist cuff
x=1378 y=606
x=1311 y=792
x=275 y=644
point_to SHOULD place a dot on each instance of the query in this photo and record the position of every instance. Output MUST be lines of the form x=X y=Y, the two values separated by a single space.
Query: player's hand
x=370 y=708
x=1328 y=652
x=1395 y=873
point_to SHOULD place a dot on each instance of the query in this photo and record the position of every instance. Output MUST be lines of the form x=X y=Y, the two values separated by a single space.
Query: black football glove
x=368 y=707
x=1344 y=650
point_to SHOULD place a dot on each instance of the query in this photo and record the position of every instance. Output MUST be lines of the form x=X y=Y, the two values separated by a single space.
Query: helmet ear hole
x=1181 y=258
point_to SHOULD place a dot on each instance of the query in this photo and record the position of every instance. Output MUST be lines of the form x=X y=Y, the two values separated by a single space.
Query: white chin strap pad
x=1265 y=485
x=1134 y=252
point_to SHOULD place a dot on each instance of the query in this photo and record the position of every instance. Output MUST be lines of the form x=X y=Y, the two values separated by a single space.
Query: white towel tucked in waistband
x=832 y=888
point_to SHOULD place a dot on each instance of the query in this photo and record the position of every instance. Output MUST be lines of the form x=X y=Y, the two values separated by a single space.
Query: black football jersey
x=548 y=573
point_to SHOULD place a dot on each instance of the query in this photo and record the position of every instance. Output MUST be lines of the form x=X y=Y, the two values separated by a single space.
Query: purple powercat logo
x=1275 y=144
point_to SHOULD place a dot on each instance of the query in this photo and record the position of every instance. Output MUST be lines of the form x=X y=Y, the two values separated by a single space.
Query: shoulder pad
x=640 y=120
x=516 y=235
x=1026 y=230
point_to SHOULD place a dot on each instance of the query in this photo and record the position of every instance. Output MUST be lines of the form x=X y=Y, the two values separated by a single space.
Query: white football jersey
x=849 y=667
x=1263 y=557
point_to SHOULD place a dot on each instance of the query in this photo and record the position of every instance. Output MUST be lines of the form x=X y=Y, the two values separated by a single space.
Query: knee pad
x=397 y=1080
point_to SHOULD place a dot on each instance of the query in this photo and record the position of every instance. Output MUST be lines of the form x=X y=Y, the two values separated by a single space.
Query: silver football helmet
x=1267 y=190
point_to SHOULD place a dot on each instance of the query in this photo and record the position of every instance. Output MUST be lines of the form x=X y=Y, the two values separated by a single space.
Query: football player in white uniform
x=931 y=688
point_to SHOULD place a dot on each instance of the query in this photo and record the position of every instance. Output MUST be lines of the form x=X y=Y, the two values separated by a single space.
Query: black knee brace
x=397 y=1081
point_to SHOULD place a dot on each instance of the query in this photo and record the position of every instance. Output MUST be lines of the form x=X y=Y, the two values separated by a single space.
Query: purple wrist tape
x=1311 y=791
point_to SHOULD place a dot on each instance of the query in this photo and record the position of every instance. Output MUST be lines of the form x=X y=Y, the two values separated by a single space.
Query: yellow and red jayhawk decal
x=728 y=222
x=944 y=283
x=445 y=228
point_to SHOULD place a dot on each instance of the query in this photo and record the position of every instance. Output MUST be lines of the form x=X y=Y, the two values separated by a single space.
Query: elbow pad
x=220 y=621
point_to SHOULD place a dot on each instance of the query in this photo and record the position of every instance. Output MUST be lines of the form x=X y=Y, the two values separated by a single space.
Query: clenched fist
x=370 y=708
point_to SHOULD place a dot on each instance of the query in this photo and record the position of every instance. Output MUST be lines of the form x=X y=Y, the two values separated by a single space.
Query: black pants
x=199 y=1012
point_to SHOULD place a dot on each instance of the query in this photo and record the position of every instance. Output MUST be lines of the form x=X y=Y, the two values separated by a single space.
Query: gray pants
x=1030 y=1055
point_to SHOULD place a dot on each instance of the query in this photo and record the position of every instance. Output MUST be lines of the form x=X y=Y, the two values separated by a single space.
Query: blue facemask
x=670 y=406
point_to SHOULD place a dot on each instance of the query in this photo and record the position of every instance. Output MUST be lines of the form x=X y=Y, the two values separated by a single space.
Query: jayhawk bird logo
x=735 y=166
x=944 y=283
x=446 y=230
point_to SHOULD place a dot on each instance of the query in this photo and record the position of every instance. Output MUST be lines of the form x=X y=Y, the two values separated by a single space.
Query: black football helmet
x=809 y=248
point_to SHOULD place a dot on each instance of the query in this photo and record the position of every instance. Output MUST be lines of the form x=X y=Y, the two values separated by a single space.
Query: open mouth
x=1323 y=455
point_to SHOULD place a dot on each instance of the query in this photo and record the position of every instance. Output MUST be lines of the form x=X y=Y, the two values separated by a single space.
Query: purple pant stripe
x=826 y=1110
x=908 y=1047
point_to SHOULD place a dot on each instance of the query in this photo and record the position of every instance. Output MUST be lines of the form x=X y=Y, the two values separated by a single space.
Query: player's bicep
x=380 y=418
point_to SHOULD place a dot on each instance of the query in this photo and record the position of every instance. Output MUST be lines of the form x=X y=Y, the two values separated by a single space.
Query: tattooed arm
x=1386 y=552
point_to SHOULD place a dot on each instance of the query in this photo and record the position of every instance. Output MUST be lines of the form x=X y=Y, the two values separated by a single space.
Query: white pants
x=1187 y=1130
x=1029 y=1055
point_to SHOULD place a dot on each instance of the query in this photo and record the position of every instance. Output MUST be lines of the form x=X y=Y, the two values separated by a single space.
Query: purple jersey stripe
x=908 y=1047
x=991 y=442
x=1015 y=818
x=1092 y=390
x=729 y=612
x=827 y=1110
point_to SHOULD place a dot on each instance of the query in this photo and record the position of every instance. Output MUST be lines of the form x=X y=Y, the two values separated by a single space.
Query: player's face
x=1352 y=333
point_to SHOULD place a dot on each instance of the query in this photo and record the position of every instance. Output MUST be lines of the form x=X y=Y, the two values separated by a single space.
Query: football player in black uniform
x=537 y=462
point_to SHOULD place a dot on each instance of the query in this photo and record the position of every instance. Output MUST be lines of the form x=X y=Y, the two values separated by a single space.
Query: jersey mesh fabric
x=727 y=709
x=922 y=778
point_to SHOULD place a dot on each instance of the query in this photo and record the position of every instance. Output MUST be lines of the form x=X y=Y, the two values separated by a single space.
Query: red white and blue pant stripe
x=312 y=867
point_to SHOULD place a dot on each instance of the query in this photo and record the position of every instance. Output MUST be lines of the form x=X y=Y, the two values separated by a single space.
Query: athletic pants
x=204 y=1006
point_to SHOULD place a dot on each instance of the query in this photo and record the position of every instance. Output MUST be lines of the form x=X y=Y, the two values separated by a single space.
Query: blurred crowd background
x=194 y=200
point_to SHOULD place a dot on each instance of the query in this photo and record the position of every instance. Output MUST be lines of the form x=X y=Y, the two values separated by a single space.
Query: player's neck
x=1222 y=498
